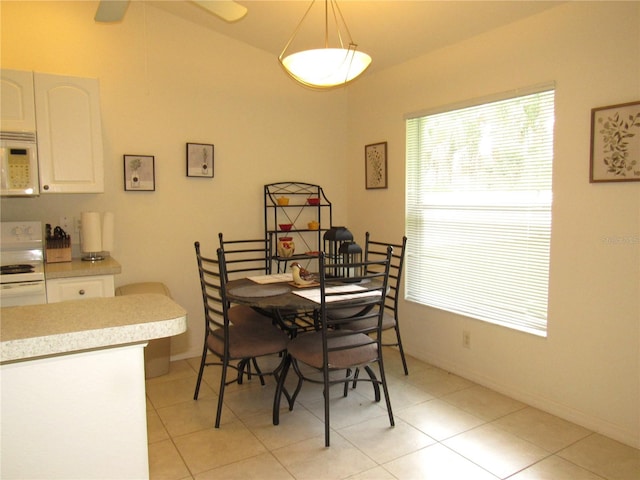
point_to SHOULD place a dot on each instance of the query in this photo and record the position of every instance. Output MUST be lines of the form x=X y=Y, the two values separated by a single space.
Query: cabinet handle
x=45 y=187
x=81 y=291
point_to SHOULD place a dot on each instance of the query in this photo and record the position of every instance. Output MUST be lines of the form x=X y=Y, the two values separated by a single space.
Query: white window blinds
x=478 y=214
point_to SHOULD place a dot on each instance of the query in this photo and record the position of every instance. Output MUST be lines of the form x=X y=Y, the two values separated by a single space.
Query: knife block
x=56 y=253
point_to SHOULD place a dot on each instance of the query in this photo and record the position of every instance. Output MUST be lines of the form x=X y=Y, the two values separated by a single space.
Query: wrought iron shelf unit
x=297 y=212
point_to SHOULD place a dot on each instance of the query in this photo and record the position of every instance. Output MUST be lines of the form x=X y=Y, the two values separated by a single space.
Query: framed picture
x=615 y=143
x=139 y=173
x=199 y=160
x=375 y=163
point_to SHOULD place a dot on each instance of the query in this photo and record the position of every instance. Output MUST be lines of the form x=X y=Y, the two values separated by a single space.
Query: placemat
x=259 y=290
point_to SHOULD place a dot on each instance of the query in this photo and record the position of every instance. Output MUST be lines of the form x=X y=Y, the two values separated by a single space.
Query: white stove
x=22 y=279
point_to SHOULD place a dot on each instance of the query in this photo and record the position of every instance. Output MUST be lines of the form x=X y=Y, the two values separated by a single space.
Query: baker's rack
x=298 y=212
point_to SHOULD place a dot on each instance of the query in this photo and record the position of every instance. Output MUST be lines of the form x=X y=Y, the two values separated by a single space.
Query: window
x=478 y=214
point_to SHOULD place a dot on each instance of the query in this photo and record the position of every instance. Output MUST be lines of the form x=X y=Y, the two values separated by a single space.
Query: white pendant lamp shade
x=326 y=67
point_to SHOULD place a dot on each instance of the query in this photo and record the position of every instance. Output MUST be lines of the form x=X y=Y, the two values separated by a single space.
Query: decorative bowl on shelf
x=283 y=201
x=313 y=201
x=285 y=227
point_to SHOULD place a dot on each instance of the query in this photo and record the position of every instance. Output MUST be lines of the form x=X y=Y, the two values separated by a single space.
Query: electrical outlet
x=466 y=339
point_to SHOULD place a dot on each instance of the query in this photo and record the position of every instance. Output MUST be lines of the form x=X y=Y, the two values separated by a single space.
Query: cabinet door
x=78 y=288
x=16 y=101
x=69 y=134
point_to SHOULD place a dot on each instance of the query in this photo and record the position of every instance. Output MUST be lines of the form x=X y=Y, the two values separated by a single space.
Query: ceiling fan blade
x=228 y=10
x=111 y=10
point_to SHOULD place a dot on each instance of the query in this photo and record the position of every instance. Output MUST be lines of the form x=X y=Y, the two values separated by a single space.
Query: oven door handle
x=21 y=288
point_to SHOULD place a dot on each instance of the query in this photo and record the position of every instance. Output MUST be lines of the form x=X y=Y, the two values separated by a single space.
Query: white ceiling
x=391 y=31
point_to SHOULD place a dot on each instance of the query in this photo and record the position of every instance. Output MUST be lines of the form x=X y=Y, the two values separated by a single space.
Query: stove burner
x=11 y=269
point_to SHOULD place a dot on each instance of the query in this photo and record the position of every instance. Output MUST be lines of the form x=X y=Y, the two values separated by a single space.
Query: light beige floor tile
x=213 y=373
x=495 y=450
x=251 y=399
x=248 y=446
x=349 y=410
x=393 y=361
x=606 y=457
x=162 y=394
x=438 y=382
x=165 y=462
x=403 y=394
x=178 y=369
x=483 y=402
x=311 y=460
x=215 y=447
x=155 y=429
x=377 y=473
x=263 y=467
x=384 y=443
x=191 y=416
x=438 y=419
x=436 y=463
x=294 y=427
x=415 y=365
x=542 y=429
x=555 y=468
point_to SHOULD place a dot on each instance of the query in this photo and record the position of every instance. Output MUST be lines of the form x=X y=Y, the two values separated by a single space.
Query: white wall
x=165 y=82
x=587 y=369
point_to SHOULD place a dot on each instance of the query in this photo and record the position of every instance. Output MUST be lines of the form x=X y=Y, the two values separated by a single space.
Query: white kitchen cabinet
x=69 y=132
x=78 y=288
x=17 y=101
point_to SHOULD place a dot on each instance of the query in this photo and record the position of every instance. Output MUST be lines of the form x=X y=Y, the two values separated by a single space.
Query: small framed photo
x=199 y=160
x=615 y=143
x=139 y=173
x=375 y=162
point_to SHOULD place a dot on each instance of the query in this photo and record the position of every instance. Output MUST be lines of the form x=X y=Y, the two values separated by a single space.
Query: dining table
x=273 y=295
x=293 y=307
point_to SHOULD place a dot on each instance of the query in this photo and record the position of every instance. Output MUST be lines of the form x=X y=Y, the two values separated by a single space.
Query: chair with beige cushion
x=234 y=344
x=390 y=320
x=334 y=353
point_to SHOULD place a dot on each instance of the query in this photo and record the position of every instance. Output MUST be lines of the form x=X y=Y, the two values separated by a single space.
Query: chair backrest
x=369 y=287
x=245 y=257
x=377 y=250
x=213 y=284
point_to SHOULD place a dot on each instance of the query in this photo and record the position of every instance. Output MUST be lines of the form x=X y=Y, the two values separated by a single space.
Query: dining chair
x=390 y=320
x=334 y=353
x=234 y=345
x=247 y=257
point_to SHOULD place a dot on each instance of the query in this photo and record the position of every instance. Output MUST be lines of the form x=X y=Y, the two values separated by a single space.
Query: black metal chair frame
x=337 y=342
x=213 y=279
x=377 y=249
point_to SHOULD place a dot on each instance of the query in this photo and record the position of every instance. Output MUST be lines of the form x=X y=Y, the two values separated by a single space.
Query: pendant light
x=327 y=67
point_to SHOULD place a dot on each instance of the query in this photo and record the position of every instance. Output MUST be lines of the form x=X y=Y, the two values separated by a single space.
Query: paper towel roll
x=107 y=232
x=91 y=232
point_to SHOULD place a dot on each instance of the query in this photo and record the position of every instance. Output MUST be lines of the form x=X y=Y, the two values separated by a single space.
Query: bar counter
x=73 y=400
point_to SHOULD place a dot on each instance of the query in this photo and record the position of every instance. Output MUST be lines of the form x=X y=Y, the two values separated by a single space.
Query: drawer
x=78 y=288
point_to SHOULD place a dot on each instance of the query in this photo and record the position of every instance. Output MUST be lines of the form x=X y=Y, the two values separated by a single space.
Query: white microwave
x=18 y=165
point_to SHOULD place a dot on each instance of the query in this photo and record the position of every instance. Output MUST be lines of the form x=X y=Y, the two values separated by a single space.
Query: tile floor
x=446 y=428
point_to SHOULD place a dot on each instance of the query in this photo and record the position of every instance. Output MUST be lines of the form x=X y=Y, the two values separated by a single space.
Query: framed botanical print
x=375 y=162
x=139 y=173
x=615 y=143
x=199 y=160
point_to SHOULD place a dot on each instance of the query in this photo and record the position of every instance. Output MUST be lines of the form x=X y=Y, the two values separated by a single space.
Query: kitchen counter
x=80 y=268
x=73 y=386
x=40 y=330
